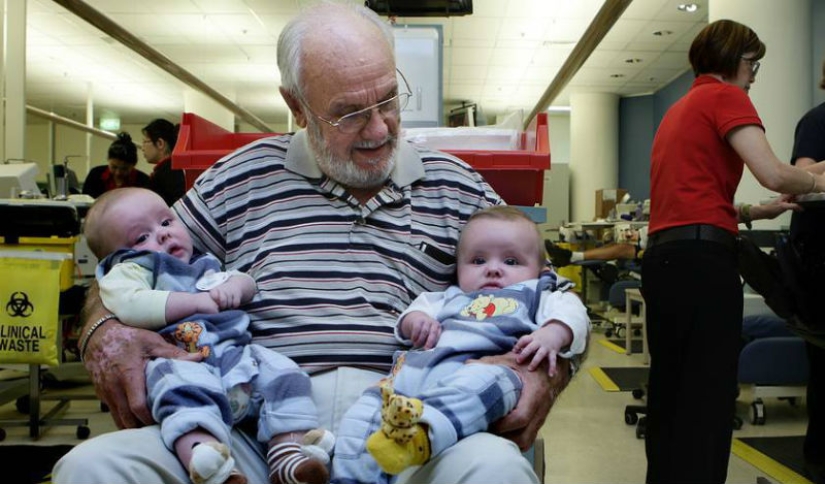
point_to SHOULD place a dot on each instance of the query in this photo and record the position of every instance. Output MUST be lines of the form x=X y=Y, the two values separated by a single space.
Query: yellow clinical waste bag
x=29 y=301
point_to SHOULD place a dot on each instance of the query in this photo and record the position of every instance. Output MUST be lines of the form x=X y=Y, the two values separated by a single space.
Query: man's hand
x=538 y=394
x=116 y=357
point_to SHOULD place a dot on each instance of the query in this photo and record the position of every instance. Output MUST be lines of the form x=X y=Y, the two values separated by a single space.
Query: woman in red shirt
x=119 y=172
x=690 y=278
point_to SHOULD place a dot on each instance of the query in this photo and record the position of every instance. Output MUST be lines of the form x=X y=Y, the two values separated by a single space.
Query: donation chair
x=773 y=359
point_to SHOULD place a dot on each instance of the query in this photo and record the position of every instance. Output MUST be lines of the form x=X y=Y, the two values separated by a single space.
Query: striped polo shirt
x=332 y=275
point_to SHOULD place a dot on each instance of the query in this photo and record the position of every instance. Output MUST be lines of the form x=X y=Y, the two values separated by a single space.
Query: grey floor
x=585 y=435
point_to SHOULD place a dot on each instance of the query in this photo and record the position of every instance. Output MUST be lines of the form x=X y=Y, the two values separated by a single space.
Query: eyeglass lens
x=356 y=121
x=755 y=67
x=753 y=63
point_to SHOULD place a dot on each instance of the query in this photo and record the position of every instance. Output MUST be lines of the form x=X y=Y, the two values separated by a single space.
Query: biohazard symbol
x=19 y=305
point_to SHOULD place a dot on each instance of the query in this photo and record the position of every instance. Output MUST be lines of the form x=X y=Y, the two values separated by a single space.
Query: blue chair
x=773 y=360
x=616 y=298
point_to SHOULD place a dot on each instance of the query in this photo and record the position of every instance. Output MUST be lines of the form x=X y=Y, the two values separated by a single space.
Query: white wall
x=556 y=197
x=559 y=126
x=781 y=93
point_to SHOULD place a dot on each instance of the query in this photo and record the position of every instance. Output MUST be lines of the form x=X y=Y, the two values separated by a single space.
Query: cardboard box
x=606 y=200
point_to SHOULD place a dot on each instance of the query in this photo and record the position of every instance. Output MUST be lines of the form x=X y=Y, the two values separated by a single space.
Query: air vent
x=421 y=8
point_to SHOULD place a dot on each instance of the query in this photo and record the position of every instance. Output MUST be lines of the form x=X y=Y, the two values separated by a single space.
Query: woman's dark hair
x=123 y=149
x=720 y=46
x=162 y=129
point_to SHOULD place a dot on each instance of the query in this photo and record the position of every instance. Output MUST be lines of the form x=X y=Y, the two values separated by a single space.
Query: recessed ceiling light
x=633 y=60
x=688 y=7
x=663 y=33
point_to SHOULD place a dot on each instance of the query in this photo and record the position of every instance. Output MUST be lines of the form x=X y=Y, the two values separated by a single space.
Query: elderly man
x=342 y=225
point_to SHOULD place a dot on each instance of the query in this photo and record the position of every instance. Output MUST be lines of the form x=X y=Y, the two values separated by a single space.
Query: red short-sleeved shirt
x=694 y=172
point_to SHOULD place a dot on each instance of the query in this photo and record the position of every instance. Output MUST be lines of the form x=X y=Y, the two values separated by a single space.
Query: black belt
x=693 y=232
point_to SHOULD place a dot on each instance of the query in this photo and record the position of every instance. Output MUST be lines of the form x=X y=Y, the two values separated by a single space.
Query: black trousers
x=814 y=447
x=694 y=325
x=810 y=244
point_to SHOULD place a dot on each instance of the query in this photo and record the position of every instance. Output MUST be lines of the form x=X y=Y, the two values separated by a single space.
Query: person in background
x=504 y=300
x=630 y=246
x=808 y=237
x=699 y=152
x=341 y=224
x=632 y=242
x=159 y=138
x=120 y=171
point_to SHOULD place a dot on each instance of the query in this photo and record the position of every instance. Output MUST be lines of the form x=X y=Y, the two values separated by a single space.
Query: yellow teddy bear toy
x=402 y=441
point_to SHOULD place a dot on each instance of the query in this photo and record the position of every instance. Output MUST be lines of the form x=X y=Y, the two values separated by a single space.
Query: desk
x=606 y=224
x=635 y=295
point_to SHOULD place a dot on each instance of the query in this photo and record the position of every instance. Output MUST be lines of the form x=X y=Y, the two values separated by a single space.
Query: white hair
x=291 y=39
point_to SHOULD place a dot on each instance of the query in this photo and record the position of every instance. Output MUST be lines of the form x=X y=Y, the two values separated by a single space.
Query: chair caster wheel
x=83 y=432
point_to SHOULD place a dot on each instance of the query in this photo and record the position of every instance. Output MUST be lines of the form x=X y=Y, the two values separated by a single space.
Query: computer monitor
x=16 y=178
x=61 y=174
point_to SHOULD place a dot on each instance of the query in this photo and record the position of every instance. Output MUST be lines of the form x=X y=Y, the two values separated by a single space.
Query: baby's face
x=497 y=253
x=142 y=221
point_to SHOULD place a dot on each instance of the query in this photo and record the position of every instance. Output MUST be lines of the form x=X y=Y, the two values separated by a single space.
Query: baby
x=504 y=301
x=150 y=277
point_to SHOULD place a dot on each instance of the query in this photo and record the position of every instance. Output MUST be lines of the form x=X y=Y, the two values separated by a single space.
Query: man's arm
x=115 y=356
x=539 y=393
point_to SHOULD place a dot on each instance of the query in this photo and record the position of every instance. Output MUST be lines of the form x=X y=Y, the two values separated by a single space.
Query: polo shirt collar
x=705 y=79
x=299 y=159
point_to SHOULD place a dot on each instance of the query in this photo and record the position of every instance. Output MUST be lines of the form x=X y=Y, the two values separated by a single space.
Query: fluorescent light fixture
x=110 y=124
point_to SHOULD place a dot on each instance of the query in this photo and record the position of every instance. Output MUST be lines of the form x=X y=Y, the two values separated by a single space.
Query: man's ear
x=296 y=108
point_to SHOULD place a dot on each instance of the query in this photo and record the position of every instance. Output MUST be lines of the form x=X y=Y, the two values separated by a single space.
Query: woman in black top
x=808 y=238
x=120 y=171
x=159 y=138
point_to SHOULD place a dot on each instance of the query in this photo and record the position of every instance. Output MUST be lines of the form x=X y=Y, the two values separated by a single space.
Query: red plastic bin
x=517 y=175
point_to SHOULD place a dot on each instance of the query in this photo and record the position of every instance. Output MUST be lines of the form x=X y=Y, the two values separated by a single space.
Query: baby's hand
x=228 y=295
x=543 y=344
x=421 y=329
x=205 y=303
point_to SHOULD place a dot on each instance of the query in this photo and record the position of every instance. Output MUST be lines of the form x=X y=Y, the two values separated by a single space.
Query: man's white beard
x=347 y=172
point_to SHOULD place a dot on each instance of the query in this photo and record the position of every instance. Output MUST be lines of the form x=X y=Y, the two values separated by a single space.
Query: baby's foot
x=318 y=444
x=292 y=463
x=212 y=464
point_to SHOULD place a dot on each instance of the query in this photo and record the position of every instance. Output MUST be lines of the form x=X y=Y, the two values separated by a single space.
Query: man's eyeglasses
x=754 y=65
x=355 y=121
